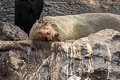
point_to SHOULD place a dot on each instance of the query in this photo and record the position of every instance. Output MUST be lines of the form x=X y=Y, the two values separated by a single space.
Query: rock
x=7 y=11
x=66 y=7
x=9 y=32
x=99 y=65
x=63 y=7
x=95 y=57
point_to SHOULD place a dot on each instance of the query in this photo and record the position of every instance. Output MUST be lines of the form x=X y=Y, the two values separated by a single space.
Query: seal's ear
x=40 y=20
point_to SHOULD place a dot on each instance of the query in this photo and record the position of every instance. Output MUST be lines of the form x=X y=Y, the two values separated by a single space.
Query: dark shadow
x=26 y=13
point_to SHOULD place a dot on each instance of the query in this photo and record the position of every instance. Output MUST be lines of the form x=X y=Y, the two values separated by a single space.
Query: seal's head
x=43 y=30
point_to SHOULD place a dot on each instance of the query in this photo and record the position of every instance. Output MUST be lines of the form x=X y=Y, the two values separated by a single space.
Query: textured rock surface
x=95 y=58
x=9 y=32
x=65 y=7
x=7 y=10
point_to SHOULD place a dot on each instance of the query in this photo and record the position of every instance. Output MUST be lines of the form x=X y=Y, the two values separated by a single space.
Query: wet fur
x=76 y=26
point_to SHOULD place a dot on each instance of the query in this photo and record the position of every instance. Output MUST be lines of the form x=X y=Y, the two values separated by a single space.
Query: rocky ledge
x=96 y=57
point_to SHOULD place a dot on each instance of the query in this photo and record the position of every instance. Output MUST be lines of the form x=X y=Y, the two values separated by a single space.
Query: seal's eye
x=48 y=33
x=46 y=23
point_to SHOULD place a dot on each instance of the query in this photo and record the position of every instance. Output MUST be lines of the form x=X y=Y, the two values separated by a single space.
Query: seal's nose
x=48 y=33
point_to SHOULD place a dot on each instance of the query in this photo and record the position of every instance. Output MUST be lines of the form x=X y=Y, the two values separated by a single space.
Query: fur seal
x=71 y=27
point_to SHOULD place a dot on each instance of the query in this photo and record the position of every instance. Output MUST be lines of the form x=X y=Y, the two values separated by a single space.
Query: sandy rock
x=9 y=32
x=95 y=57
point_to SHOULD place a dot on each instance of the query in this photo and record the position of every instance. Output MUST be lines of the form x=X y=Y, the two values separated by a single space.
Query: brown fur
x=73 y=26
